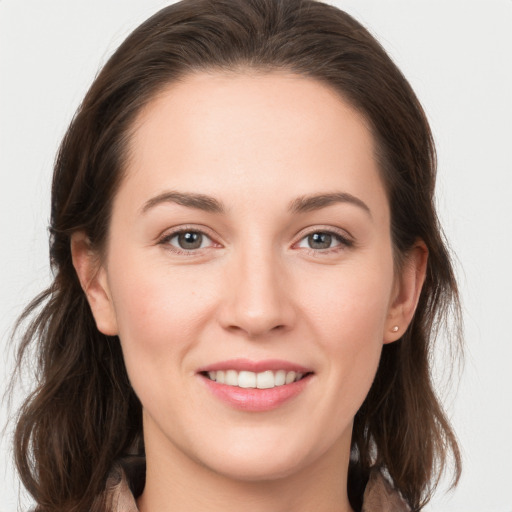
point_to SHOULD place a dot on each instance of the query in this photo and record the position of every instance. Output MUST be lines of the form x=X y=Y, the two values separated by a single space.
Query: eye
x=187 y=240
x=323 y=241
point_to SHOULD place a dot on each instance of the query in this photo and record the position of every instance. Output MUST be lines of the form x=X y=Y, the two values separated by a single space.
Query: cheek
x=351 y=304
x=348 y=314
x=159 y=311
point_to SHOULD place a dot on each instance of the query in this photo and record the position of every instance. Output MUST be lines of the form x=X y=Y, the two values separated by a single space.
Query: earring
x=395 y=328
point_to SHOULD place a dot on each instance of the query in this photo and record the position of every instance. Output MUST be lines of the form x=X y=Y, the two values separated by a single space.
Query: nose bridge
x=258 y=300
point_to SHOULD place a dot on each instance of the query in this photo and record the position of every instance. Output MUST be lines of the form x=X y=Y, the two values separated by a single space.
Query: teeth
x=290 y=377
x=231 y=378
x=280 y=378
x=263 y=380
x=245 y=379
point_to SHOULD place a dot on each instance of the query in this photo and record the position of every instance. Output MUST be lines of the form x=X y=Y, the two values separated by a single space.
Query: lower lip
x=253 y=399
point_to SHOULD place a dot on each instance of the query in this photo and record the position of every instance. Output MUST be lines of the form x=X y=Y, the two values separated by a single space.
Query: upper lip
x=254 y=366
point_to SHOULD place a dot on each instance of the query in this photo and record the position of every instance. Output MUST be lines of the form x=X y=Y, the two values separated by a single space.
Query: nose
x=257 y=297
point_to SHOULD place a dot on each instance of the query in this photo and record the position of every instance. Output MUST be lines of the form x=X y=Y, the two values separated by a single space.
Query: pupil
x=320 y=240
x=190 y=240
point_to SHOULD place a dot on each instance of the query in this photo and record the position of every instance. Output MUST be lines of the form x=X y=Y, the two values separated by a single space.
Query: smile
x=255 y=386
x=263 y=380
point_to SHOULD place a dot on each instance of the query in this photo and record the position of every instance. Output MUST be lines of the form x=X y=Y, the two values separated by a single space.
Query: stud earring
x=395 y=328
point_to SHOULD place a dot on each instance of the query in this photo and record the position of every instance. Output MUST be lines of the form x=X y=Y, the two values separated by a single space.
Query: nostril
x=254 y=328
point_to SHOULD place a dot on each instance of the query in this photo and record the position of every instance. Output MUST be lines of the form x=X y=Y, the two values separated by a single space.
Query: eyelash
x=343 y=242
x=166 y=239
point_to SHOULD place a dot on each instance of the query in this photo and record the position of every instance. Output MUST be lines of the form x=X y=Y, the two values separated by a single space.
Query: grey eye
x=189 y=240
x=323 y=240
x=320 y=240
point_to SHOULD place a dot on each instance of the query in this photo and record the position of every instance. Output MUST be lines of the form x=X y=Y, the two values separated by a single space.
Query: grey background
x=457 y=54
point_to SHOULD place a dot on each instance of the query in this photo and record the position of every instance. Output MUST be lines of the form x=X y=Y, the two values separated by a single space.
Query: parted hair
x=83 y=414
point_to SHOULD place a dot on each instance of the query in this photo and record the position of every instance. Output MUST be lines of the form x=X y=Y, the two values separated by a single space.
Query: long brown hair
x=83 y=413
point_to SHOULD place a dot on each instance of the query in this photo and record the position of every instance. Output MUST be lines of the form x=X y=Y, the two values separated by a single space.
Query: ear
x=93 y=279
x=407 y=289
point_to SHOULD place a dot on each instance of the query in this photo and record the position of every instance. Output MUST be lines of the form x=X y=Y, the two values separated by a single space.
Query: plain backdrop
x=457 y=55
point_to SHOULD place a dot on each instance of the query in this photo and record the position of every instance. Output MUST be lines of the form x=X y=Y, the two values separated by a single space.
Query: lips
x=255 y=386
x=254 y=366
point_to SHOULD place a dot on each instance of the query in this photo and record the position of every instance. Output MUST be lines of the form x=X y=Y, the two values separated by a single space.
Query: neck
x=176 y=482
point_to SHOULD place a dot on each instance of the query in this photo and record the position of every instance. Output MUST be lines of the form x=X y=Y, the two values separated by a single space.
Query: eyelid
x=345 y=238
x=164 y=238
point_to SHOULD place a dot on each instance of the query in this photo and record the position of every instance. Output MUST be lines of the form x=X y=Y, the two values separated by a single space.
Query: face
x=249 y=272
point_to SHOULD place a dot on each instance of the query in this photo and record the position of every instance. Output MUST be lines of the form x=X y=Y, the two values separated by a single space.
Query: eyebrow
x=209 y=204
x=191 y=200
x=316 y=202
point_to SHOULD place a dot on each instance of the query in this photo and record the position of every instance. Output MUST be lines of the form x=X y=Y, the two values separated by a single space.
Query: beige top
x=379 y=495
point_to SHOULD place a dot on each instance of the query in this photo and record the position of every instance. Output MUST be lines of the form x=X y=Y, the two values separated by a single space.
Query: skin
x=255 y=289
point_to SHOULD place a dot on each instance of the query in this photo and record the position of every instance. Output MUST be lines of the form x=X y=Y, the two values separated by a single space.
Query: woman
x=249 y=273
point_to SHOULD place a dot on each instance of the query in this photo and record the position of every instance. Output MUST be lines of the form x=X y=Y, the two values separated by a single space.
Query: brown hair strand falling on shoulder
x=83 y=413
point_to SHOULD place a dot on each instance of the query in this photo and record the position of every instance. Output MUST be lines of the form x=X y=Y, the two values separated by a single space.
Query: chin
x=270 y=468
x=253 y=458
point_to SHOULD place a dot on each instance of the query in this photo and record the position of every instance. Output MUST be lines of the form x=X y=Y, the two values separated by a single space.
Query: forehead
x=261 y=132
x=243 y=106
